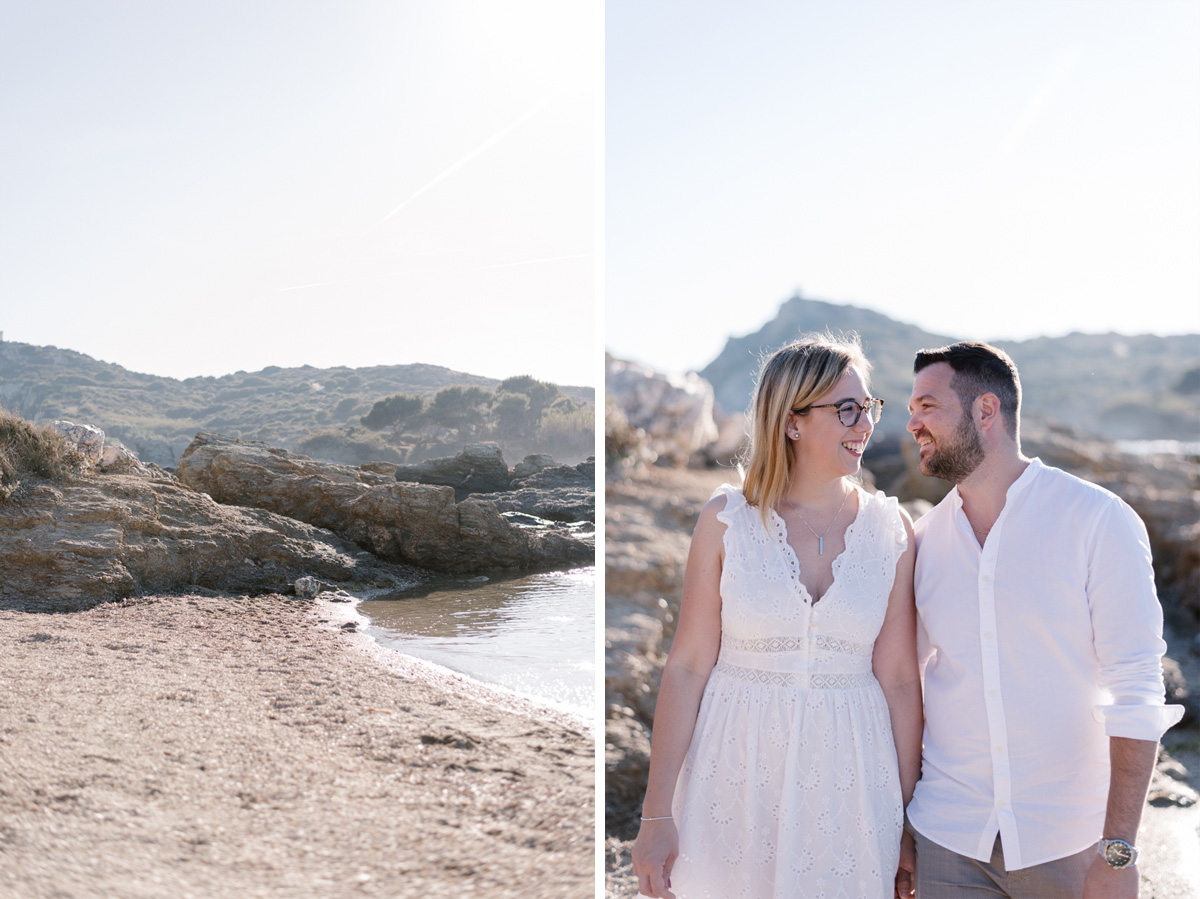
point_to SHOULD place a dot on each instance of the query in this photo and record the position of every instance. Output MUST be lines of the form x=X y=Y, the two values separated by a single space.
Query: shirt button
x=1003 y=805
x=987 y=578
x=987 y=635
x=992 y=693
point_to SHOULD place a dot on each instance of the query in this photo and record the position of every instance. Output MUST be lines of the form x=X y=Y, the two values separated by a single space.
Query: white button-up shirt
x=1034 y=649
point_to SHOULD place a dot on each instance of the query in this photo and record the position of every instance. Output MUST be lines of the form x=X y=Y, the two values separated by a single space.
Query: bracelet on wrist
x=657 y=817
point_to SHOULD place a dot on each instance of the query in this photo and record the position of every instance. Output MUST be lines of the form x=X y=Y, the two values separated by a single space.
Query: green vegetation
x=394 y=412
x=349 y=446
x=523 y=415
x=325 y=409
x=29 y=450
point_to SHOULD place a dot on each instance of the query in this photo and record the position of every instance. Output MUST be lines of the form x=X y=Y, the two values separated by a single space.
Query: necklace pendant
x=820 y=546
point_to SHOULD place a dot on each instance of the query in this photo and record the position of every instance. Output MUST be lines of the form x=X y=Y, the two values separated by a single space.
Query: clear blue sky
x=194 y=188
x=990 y=169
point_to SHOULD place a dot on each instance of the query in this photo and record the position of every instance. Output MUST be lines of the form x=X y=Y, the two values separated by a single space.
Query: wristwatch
x=1117 y=853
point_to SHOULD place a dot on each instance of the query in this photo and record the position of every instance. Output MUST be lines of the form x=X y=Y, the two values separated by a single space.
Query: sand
x=211 y=746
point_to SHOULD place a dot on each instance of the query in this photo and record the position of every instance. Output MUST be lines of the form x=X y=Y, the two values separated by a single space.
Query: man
x=1040 y=638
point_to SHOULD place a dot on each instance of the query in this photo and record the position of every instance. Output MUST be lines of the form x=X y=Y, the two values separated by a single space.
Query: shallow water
x=1159 y=447
x=534 y=635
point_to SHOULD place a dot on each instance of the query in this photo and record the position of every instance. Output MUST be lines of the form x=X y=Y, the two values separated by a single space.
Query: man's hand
x=906 y=875
x=1106 y=882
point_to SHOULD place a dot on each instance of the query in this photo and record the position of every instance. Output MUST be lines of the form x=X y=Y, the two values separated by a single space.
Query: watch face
x=1118 y=854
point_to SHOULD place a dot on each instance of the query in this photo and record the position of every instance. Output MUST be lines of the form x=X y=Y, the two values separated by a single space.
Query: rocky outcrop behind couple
x=397 y=520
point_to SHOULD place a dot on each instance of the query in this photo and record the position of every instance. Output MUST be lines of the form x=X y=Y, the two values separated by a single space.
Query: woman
x=788 y=729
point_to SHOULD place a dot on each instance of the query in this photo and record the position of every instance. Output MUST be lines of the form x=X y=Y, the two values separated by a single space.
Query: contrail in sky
x=1037 y=104
x=535 y=261
x=428 y=269
x=482 y=148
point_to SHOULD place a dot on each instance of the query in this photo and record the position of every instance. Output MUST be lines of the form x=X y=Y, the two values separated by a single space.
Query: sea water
x=534 y=635
x=1160 y=447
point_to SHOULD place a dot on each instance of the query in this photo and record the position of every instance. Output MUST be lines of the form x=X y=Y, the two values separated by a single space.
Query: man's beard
x=956 y=460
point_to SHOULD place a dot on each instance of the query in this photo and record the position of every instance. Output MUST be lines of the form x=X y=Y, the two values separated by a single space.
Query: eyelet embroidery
x=771 y=745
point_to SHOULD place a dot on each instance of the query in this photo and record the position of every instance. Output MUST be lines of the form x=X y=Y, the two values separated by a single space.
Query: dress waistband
x=815 y=680
x=796 y=644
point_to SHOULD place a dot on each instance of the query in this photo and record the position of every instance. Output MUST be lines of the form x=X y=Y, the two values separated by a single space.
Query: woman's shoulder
x=888 y=510
x=724 y=503
x=879 y=499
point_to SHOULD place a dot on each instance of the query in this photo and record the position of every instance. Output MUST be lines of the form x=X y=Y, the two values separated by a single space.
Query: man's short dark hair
x=980 y=368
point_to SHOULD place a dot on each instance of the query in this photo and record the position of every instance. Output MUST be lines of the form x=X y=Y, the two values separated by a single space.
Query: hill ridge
x=1113 y=385
x=157 y=416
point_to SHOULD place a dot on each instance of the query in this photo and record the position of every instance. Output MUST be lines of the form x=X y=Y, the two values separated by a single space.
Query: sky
x=988 y=169
x=203 y=188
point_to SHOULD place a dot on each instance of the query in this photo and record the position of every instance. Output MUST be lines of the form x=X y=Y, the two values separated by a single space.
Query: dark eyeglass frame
x=875 y=405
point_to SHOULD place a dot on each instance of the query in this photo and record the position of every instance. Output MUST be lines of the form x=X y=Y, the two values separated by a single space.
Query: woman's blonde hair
x=791 y=378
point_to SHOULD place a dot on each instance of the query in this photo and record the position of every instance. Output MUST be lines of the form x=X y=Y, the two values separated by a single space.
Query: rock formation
x=102 y=537
x=419 y=524
x=552 y=493
x=87 y=439
x=675 y=412
x=479 y=468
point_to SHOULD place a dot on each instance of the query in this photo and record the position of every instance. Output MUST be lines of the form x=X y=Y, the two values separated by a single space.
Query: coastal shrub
x=512 y=414
x=345 y=407
x=540 y=393
x=457 y=406
x=348 y=446
x=394 y=412
x=1189 y=382
x=623 y=443
x=568 y=431
x=29 y=450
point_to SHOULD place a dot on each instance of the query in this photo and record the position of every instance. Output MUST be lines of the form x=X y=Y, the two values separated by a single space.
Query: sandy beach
x=216 y=746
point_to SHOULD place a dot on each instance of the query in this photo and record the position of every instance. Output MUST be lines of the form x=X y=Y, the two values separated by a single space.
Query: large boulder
x=479 y=468
x=558 y=504
x=551 y=476
x=88 y=440
x=400 y=521
x=553 y=493
x=674 y=412
x=103 y=537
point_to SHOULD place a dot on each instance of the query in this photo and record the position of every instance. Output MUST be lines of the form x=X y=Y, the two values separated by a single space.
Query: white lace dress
x=790 y=787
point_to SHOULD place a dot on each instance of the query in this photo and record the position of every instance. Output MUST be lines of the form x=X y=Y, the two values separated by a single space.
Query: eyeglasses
x=849 y=412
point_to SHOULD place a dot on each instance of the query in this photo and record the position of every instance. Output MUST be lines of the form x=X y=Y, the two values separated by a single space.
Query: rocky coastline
x=247 y=517
x=206 y=718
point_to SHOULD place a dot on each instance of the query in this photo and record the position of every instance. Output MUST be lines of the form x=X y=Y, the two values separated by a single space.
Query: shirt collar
x=1015 y=489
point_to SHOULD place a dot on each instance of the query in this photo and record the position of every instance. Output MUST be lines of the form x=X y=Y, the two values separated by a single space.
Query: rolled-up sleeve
x=1127 y=626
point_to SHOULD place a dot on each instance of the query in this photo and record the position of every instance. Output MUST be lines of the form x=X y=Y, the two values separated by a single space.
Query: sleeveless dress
x=791 y=787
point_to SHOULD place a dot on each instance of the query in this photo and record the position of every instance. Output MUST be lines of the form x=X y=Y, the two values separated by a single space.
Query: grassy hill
x=157 y=417
x=1111 y=385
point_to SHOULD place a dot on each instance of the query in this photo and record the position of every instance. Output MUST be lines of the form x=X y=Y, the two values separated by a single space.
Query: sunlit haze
x=201 y=188
x=987 y=170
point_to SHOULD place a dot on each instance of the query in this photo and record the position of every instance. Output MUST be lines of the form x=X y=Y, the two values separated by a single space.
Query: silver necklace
x=821 y=537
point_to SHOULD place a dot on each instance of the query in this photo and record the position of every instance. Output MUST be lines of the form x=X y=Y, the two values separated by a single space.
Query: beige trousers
x=942 y=874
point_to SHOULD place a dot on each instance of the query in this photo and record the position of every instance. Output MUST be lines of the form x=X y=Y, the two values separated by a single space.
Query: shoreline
x=443 y=676
x=220 y=746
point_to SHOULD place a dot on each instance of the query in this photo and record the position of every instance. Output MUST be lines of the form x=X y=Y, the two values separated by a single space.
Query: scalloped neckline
x=781 y=536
